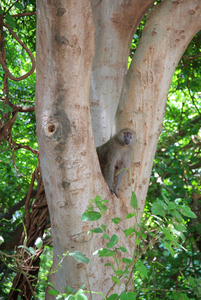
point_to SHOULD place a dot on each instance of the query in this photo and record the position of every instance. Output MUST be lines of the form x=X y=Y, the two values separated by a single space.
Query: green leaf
x=168 y=234
x=131 y=296
x=80 y=257
x=100 y=204
x=123 y=249
x=133 y=201
x=31 y=250
x=18 y=5
x=50 y=284
x=177 y=216
x=39 y=243
x=5 y=108
x=123 y=296
x=81 y=296
x=116 y=220
x=97 y=230
x=53 y=292
x=119 y=272
x=129 y=231
x=105 y=252
x=111 y=265
x=98 y=198
x=117 y=280
x=130 y=215
x=104 y=227
x=169 y=248
x=141 y=269
x=144 y=236
x=171 y=206
x=137 y=241
x=102 y=207
x=186 y=211
x=127 y=296
x=113 y=297
x=71 y=297
x=10 y=21
x=165 y=198
x=106 y=236
x=113 y=241
x=192 y=282
x=180 y=227
x=126 y=260
x=69 y=290
x=158 y=209
x=91 y=216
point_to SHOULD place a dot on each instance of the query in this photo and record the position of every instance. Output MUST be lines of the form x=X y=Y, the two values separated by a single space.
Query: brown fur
x=115 y=155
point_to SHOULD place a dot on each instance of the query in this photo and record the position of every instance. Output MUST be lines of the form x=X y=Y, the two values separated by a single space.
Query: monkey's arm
x=107 y=158
x=108 y=174
x=118 y=179
x=120 y=174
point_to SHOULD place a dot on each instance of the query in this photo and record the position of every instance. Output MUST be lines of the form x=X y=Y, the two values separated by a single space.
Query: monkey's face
x=127 y=138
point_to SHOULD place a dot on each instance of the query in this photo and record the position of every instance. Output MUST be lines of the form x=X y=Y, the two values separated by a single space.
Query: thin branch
x=24 y=14
x=23 y=109
x=19 y=146
x=192 y=57
x=10 y=7
x=5 y=129
x=3 y=62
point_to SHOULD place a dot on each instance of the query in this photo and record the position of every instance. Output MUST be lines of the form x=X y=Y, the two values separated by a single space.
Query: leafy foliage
x=17 y=160
x=160 y=241
x=176 y=175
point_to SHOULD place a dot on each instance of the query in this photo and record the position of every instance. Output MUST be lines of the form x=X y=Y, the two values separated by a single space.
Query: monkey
x=116 y=155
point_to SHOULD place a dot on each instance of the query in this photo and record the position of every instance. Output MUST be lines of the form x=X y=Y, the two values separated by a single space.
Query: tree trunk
x=70 y=169
x=115 y=27
x=65 y=50
x=146 y=85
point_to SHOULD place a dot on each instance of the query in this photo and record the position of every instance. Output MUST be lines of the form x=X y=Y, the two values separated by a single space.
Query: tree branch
x=3 y=62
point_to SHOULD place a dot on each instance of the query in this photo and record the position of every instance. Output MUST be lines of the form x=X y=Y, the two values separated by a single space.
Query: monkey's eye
x=128 y=134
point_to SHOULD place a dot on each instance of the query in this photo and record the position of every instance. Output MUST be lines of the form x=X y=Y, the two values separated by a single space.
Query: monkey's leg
x=109 y=176
x=118 y=179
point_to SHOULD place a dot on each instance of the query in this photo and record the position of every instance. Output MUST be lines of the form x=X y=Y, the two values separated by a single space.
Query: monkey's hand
x=114 y=192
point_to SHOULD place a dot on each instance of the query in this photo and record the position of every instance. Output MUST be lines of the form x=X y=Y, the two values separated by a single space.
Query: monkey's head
x=127 y=136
